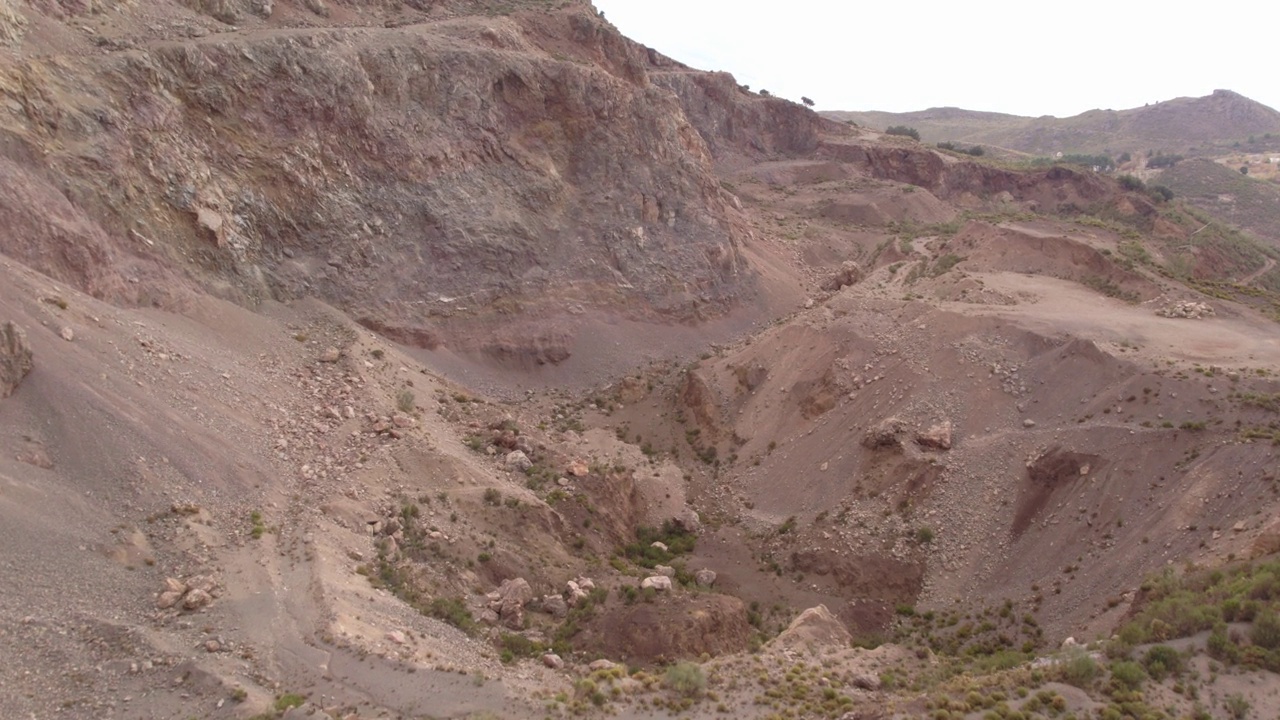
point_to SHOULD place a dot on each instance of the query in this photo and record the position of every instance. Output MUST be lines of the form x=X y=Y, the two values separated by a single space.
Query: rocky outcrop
x=815 y=627
x=12 y=24
x=734 y=120
x=674 y=626
x=15 y=358
x=438 y=179
x=1052 y=189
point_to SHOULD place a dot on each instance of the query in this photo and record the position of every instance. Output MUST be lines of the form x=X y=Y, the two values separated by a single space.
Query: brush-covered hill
x=1172 y=126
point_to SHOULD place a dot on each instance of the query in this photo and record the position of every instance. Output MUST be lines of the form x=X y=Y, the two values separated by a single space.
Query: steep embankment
x=472 y=180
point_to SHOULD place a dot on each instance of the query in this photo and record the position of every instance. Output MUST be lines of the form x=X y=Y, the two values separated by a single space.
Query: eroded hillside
x=470 y=360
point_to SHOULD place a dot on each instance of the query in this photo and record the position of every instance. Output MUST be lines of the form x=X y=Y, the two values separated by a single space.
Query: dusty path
x=1266 y=268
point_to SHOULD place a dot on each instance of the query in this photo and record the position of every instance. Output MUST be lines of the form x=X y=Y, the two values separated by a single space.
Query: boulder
x=577 y=468
x=168 y=599
x=512 y=597
x=196 y=599
x=850 y=273
x=887 y=434
x=657 y=582
x=517 y=460
x=552 y=661
x=936 y=437
x=555 y=606
x=865 y=681
x=15 y=358
x=666 y=570
x=705 y=577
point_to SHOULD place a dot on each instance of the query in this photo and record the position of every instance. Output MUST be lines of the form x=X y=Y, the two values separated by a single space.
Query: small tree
x=904 y=131
x=806 y=101
x=1244 y=169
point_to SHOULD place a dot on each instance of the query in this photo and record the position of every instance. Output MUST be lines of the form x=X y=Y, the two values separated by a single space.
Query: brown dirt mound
x=670 y=627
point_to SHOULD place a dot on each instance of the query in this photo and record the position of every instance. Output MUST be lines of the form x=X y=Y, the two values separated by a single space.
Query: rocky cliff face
x=432 y=173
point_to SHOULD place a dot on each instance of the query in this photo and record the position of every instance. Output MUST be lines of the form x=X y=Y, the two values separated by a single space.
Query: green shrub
x=686 y=678
x=1161 y=661
x=1079 y=670
x=1236 y=706
x=405 y=400
x=289 y=700
x=453 y=611
x=1127 y=675
x=903 y=130
x=1266 y=630
x=1129 y=182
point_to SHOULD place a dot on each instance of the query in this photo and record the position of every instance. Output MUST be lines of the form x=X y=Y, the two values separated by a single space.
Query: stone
x=936 y=437
x=850 y=273
x=517 y=460
x=401 y=420
x=665 y=570
x=552 y=661
x=513 y=595
x=397 y=637
x=657 y=582
x=168 y=599
x=330 y=355
x=196 y=599
x=601 y=664
x=15 y=358
x=66 y=333
x=577 y=468
x=705 y=577
x=212 y=646
x=205 y=583
x=865 y=681
x=660 y=545
x=887 y=434
x=174 y=585
x=1069 y=643
x=555 y=606
x=1028 y=423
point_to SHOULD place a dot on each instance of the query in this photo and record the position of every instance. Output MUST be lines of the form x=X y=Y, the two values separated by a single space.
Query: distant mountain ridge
x=1177 y=125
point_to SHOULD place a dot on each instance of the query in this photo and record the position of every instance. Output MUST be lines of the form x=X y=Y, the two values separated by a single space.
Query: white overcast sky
x=1026 y=58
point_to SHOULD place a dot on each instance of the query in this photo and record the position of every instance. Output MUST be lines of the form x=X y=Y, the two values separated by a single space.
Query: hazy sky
x=1026 y=57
